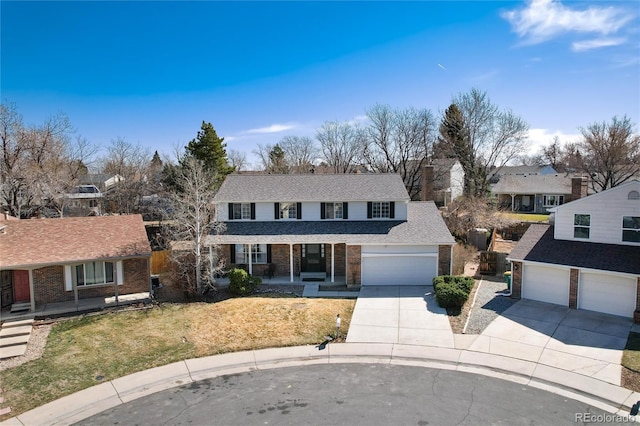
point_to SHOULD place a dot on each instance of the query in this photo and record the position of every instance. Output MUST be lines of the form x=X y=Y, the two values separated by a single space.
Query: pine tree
x=210 y=150
x=453 y=142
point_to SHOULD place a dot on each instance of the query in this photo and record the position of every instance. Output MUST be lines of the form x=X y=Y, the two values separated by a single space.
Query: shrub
x=241 y=283
x=452 y=291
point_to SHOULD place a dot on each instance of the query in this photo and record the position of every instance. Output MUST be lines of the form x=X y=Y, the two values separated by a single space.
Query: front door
x=313 y=258
x=21 y=291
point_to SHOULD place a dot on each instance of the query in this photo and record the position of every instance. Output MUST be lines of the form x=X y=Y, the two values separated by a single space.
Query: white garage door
x=546 y=284
x=610 y=294
x=399 y=270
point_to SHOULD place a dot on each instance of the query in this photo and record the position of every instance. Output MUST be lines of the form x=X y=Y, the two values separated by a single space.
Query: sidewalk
x=101 y=397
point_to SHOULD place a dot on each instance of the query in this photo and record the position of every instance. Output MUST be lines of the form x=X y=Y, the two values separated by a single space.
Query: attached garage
x=607 y=293
x=546 y=284
x=399 y=265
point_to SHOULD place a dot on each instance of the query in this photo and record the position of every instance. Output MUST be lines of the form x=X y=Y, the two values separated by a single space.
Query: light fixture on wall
x=516 y=266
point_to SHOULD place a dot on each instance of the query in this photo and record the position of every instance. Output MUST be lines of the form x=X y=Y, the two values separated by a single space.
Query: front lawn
x=526 y=217
x=85 y=351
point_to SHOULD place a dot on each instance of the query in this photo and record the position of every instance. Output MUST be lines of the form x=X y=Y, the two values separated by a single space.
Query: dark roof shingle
x=538 y=245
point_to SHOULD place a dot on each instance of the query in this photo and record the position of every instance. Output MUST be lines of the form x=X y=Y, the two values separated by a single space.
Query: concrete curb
x=91 y=401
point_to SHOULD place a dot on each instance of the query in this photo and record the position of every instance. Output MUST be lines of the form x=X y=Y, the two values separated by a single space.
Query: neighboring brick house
x=57 y=260
x=353 y=228
x=589 y=259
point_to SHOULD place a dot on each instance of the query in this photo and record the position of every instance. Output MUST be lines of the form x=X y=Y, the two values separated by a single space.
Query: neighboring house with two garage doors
x=589 y=259
x=340 y=228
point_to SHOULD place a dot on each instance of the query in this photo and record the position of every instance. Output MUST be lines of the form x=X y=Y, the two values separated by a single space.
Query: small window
x=333 y=210
x=581 y=225
x=258 y=253
x=241 y=211
x=93 y=203
x=631 y=229
x=634 y=195
x=552 y=200
x=380 y=209
x=288 y=211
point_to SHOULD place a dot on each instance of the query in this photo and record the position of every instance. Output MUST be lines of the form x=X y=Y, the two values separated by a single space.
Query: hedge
x=241 y=283
x=452 y=291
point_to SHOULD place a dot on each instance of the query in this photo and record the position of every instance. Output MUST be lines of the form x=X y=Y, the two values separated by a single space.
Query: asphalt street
x=353 y=394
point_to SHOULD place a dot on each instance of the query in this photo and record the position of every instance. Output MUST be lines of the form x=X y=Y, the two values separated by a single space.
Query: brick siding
x=354 y=265
x=573 y=288
x=516 y=281
x=49 y=283
x=444 y=260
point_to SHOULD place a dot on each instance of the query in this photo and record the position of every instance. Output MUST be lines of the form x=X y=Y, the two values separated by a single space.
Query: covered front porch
x=291 y=262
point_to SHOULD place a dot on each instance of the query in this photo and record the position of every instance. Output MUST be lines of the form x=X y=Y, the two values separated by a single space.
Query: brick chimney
x=578 y=187
x=426 y=193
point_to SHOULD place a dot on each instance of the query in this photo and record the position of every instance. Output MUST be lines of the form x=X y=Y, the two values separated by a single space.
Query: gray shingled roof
x=533 y=184
x=538 y=245
x=312 y=187
x=424 y=226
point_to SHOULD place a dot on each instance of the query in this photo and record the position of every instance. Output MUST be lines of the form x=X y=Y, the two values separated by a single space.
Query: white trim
x=333 y=262
x=32 y=294
x=580 y=268
x=291 y=262
x=119 y=272
x=399 y=255
x=68 y=278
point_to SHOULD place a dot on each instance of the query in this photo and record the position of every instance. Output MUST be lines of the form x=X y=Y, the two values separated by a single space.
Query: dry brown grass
x=115 y=344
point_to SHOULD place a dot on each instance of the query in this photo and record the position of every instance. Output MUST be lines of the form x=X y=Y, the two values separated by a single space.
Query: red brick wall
x=339 y=262
x=573 y=288
x=354 y=261
x=516 y=281
x=48 y=283
x=444 y=260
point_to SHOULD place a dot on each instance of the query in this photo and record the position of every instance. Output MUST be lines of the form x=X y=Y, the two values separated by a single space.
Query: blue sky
x=151 y=72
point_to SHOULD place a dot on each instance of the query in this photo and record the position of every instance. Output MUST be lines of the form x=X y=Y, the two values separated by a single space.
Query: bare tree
x=399 y=141
x=130 y=167
x=491 y=137
x=611 y=152
x=273 y=158
x=342 y=145
x=300 y=153
x=193 y=219
x=237 y=160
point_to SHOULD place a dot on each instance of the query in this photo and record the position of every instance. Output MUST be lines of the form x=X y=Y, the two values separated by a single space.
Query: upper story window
x=552 y=200
x=581 y=225
x=288 y=211
x=631 y=229
x=633 y=195
x=380 y=210
x=333 y=210
x=240 y=211
x=94 y=273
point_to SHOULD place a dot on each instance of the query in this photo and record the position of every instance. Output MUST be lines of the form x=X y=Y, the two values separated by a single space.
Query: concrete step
x=15 y=331
x=9 y=324
x=313 y=275
x=19 y=307
x=15 y=340
x=11 y=351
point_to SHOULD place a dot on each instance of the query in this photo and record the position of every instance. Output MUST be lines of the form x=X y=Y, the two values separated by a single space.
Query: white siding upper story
x=601 y=215
x=357 y=210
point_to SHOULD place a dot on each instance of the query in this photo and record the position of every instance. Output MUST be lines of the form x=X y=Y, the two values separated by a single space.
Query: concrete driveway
x=584 y=342
x=399 y=314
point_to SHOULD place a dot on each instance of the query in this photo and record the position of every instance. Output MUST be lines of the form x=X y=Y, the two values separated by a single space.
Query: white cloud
x=485 y=76
x=274 y=128
x=581 y=46
x=543 y=137
x=542 y=20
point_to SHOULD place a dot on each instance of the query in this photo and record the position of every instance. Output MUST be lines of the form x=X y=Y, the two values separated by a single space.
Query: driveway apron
x=399 y=314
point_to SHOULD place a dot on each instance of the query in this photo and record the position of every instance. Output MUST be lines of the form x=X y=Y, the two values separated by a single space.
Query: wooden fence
x=159 y=261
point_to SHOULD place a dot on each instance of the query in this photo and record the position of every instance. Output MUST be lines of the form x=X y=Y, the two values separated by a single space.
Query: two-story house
x=344 y=228
x=589 y=259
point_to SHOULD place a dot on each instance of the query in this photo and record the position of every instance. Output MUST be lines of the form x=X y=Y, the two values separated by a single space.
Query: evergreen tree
x=208 y=148
x=453 y=142
x=156 y=162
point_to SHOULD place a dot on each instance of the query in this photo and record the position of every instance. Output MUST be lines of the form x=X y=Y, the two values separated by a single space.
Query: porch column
x=513 y=196
x=75 y=289
x=32 y=295
x=115 y=284
x=210 y=263
x=333 y=262
x=451 y=261
x=250 y=264
x=346 y=264
x=291 y=262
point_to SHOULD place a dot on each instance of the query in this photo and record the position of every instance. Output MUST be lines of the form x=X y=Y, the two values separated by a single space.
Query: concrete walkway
x=406 y=315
